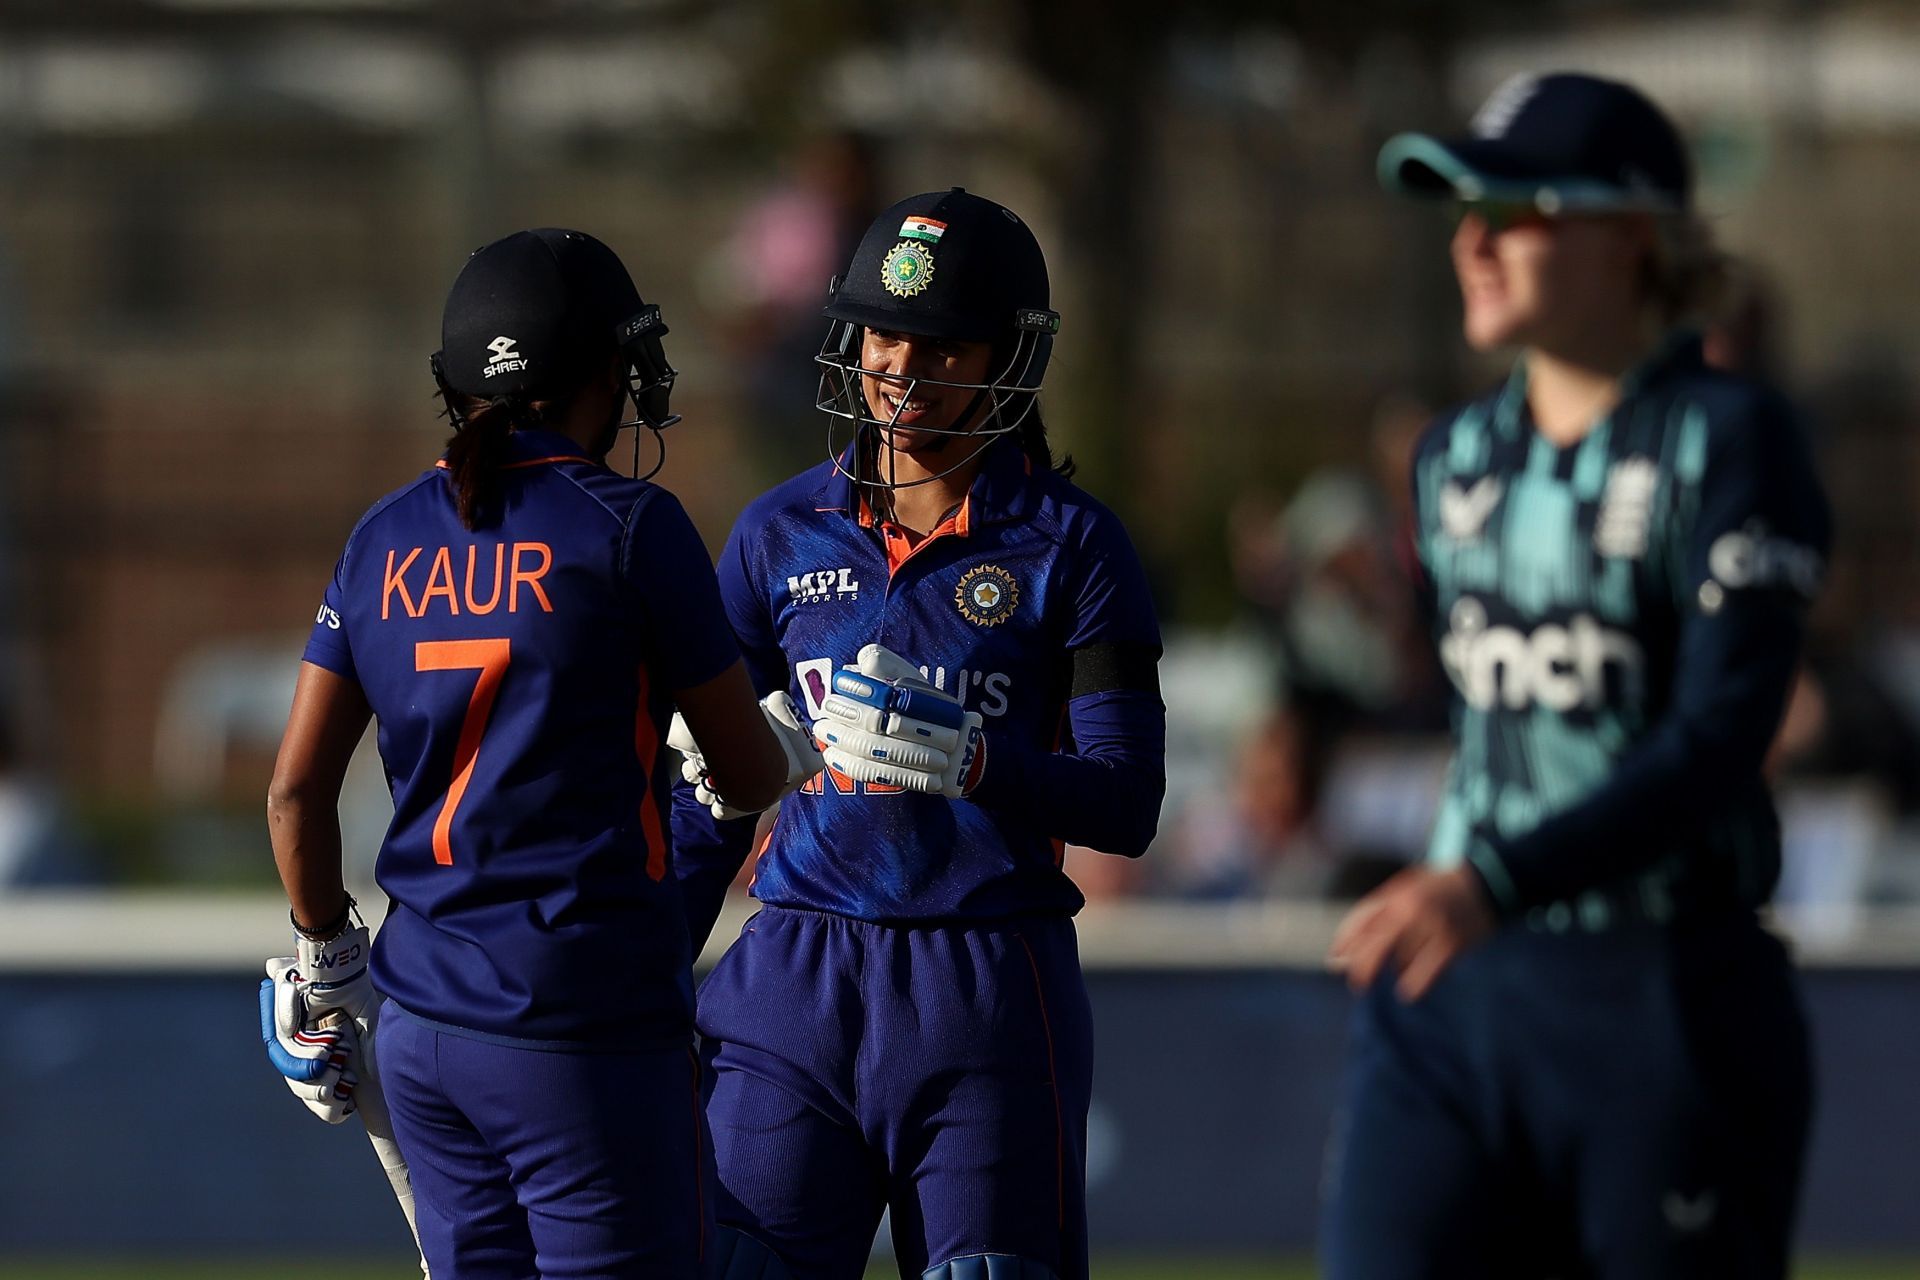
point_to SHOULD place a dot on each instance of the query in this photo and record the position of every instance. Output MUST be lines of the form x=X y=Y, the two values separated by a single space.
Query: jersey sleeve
x=1749 y=544
x=1104 y=791
x=327 y=643
x=708 y=853
x=665 y=562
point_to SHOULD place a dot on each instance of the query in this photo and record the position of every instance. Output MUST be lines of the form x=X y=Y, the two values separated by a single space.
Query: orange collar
x=902 y=546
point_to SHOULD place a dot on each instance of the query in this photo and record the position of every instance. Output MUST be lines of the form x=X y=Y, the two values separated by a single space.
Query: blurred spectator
x=38 y=845
x=1331 y=575
x=771 y=277
x=1256 y=834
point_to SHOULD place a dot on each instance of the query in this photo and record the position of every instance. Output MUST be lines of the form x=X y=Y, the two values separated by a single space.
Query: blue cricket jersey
x=1622 y=621
x=1031 y=604
x=522 y=676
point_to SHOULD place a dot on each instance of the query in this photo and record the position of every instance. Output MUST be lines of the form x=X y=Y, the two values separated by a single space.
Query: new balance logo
x=822 y=584
x=1464 y=511
x=504 y=358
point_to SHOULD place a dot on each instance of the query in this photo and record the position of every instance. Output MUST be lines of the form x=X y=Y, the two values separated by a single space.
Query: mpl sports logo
x=822 y=584
x=1561 y=667
x=505 y=359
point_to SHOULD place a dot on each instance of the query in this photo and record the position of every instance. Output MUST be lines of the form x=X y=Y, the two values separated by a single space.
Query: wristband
x=331 y=929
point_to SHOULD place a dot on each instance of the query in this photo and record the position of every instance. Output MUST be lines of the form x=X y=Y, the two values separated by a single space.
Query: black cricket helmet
x=534 y=313
x=946 y=264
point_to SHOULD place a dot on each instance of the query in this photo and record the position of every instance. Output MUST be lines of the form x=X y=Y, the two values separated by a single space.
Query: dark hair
x=478 y=449
x=1031 y=436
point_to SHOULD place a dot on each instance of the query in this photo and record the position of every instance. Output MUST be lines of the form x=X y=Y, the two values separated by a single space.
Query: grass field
x=1117 y=1269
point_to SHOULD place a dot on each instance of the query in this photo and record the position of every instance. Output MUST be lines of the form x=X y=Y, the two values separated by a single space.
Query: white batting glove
x=317 y=1062
x=883 y=722
x=803 y=757
x=318 y=1015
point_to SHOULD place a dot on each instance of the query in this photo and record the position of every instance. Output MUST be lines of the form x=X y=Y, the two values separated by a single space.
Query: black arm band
x=1105 y=668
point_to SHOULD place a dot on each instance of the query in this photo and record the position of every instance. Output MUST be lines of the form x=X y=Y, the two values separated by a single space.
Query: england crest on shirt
x=1621 y=525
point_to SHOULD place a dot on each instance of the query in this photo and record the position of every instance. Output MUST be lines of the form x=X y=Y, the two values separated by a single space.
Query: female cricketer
x=520 y=620
x=904 y=1023
x=1577 y=1050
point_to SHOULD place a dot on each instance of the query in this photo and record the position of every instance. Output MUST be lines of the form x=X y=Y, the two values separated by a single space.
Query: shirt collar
x=1678 y=351
x=524 y=448
x=1001 y=489
x=538 y=446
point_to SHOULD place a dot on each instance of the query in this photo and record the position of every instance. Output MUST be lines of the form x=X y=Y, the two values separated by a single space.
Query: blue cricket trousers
x=1629 y=1105
x=942 y=1071
x=531 y=1163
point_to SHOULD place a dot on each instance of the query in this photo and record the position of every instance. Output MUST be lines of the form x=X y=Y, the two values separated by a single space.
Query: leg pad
x=738 y=1256
x=990 y=1266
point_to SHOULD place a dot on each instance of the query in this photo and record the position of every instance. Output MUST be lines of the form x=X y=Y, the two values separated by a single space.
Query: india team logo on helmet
x=986 y=595
x=907 y=269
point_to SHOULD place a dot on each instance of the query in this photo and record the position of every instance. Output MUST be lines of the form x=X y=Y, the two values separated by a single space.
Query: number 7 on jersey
x=489 y=658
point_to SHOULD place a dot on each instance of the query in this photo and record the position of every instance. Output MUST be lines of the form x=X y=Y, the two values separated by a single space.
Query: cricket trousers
x=1627 y=1105
x=942 y=1072
x=532 y=1163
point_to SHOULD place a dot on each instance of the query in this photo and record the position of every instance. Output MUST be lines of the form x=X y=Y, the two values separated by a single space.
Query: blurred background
x=226 y=231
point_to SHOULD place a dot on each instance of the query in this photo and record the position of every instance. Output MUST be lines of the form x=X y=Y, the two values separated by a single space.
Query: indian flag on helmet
x=923 y=228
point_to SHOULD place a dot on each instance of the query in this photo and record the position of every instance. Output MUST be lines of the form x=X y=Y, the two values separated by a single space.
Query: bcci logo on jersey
x=1559 y=667
x=986 y=595
x=822 y=584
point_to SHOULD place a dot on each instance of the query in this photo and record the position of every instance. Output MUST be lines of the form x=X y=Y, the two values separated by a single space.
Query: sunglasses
x=1499 y=215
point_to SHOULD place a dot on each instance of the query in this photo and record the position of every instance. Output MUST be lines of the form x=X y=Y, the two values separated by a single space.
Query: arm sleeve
x=1749 y=556
x=708 y=853
x=327 y=644
x=665 y=563
x=1104 y=791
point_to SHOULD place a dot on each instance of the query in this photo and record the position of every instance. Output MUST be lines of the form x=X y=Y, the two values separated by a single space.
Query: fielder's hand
x=783 y=718
x=883 y=722
x=1415 y=924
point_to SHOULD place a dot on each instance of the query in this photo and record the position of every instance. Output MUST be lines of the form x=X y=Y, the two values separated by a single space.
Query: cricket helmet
x=945 y=264
x=533 y=314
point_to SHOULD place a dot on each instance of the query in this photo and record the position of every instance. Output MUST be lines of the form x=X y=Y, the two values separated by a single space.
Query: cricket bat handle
x=372 y=1105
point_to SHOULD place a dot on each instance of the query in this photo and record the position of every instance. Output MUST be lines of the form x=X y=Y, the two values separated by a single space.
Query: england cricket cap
x=1563 y=143
x=946 y=264
x=530 y=313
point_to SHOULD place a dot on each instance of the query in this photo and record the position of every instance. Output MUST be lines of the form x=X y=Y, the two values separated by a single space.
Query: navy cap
x=1564 y=143
x=534 y=312
x=946 y=264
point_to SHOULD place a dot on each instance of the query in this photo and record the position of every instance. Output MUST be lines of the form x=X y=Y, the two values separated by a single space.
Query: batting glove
x=317 y=1062
x=318 y=1016
x=803 y=757
x=883 y=722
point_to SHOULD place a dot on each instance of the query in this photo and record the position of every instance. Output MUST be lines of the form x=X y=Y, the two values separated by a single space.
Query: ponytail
x=1687 y=276
x=478 y=450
